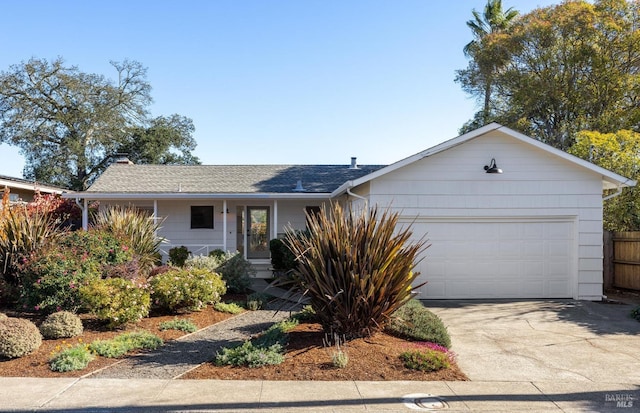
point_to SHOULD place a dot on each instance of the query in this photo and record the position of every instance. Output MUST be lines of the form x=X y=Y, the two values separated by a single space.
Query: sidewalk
x=139 y=395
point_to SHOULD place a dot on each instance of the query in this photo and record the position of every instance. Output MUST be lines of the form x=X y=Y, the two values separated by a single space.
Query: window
x=202 y=217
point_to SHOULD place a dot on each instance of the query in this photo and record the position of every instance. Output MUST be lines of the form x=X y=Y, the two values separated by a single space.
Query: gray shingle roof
x=240 y=179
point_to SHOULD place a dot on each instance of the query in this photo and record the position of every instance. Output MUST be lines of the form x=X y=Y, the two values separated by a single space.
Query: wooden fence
x=622 y=260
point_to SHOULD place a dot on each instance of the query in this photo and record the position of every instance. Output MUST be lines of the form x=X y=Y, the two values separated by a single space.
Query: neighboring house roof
x=26 y=184
x=225 y=179
x=610 y=180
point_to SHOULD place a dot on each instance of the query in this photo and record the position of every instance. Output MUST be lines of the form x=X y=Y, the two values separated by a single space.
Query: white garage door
x=500 y=258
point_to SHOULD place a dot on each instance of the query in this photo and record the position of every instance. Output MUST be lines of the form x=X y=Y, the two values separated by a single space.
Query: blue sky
x=272 y=82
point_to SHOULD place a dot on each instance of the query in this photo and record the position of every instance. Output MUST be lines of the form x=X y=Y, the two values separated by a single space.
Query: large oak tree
x=68 y=124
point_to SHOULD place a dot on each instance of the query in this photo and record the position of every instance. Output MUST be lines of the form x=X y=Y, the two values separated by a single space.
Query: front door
x=258 y=230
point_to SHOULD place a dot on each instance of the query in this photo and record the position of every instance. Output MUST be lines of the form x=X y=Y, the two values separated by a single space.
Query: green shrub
x=126 y=342
x=635 y=313
x=230 y=308
x=136 y=229
x=141 y=340
x=110 y=348
x=192 y=289
x=179 y=324
x=256 y=301
x=356 y=268
x=178 y=255
x=276 y=334
x=205 y=262
x=416 y=322
x=250 y=355
x=18 y=337
x=264 y=350
x=218 y=254
x=425 y=360
x=116 y=301
x=71 y=359
x=62 y=324
x=53 y=274
x=282 y=259
x=307 y=314
x=237 y=273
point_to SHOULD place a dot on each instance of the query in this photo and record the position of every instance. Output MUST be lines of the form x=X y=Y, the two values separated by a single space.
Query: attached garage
x=498 y=258
x=506 y=216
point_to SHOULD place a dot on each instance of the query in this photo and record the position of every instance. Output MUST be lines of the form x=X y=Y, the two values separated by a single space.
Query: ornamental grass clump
x=137 y=229
x=355 y=268
x=18 y=337
x=62 y=324
x=22 y=233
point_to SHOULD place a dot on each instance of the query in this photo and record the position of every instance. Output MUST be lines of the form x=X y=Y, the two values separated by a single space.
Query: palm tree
x=493 y=20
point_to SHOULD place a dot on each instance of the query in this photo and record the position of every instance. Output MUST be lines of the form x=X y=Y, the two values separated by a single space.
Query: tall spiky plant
x=136 y=229
x=356 y=268
x=22 y=233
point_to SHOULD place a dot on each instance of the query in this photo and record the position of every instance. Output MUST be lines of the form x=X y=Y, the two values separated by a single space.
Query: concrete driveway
x=559 y=340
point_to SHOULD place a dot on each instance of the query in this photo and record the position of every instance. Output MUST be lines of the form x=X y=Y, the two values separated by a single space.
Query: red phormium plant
x=357 y=269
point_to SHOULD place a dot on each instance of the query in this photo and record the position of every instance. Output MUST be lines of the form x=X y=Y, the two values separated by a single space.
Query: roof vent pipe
x=354 y=164
x=298 y=187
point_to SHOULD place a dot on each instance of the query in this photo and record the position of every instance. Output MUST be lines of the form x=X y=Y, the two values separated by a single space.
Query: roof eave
x=192 y=195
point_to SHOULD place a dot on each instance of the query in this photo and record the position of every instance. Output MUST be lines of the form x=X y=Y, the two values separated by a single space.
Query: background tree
x=167 y=141
x=486 y=53
x=565 y=68
x=68 y=123
x=619 y=152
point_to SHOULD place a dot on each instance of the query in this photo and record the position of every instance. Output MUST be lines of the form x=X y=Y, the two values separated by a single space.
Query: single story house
x=23 y=190
x=506 y=215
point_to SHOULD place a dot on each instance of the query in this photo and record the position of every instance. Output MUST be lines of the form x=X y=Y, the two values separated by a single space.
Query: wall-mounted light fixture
x=492 y=168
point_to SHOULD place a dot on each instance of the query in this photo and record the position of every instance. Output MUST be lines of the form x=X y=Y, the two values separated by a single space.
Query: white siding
x=176 y=222
x=534 y=185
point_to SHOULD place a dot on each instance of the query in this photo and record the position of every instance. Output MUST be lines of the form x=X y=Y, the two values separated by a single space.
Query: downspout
x=366 y=201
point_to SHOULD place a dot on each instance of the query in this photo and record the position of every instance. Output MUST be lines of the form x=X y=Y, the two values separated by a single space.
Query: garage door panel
x=498 y=259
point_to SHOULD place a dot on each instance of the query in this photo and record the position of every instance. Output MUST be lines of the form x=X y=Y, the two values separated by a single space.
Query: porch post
x=275 y=219
x=224 y=225
x=85 y=215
